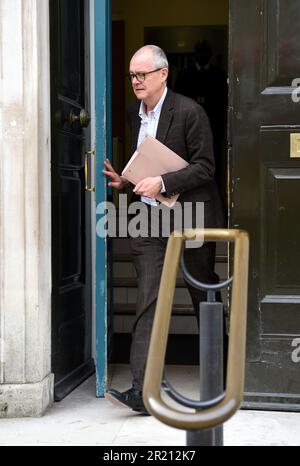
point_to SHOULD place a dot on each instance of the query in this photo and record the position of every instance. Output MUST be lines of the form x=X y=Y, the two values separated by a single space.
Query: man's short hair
x=159 y=56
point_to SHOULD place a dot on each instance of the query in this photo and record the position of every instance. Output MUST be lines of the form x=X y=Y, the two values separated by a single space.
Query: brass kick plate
x=295 y=145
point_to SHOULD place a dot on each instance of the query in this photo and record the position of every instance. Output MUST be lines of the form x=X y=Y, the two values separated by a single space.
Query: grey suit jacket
x=184 y=127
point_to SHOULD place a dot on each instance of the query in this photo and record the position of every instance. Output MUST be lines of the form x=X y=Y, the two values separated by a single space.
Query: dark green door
x=71 y=255
x=265 y=186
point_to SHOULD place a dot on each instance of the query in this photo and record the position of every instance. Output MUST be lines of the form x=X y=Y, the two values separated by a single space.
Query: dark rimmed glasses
x=141 y=76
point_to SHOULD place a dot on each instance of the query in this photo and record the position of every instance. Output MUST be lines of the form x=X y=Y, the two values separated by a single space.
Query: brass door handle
x=89 y=189
x=83 y=118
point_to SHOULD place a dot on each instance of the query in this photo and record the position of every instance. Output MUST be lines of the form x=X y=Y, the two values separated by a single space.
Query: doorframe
x=101 y=137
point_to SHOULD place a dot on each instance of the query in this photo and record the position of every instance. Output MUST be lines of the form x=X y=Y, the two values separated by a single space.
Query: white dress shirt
x=149 y=124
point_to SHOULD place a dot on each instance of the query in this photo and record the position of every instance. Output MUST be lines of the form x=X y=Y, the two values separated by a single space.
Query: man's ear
x=165 y=73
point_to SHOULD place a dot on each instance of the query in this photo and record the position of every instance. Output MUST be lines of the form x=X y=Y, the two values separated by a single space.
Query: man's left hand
x=149 y=187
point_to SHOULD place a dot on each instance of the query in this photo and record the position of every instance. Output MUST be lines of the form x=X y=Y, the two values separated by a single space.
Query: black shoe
x=132 y=398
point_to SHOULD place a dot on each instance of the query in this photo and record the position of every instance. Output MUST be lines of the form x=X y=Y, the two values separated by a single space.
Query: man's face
x=153 y=83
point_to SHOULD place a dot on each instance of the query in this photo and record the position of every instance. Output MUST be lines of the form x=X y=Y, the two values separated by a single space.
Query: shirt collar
x=157 y=109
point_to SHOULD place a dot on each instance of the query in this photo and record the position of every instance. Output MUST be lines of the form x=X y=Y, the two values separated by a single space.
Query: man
x=182 y=125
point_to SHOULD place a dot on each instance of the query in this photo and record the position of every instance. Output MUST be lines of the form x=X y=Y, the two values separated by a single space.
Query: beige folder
x=152 y=158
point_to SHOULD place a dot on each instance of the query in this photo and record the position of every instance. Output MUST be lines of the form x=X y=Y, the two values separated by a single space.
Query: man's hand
x=149 y=187
x=116 y=181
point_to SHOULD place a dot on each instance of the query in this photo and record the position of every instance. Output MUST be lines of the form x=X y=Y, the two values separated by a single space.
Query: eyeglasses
x=141 y=76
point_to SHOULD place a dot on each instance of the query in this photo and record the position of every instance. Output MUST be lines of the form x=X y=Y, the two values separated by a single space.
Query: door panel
x=71 y=294
x=264 y=60
x=282 y=41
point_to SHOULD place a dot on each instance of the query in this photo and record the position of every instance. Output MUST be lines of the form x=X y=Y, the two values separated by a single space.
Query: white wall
x=25 y=214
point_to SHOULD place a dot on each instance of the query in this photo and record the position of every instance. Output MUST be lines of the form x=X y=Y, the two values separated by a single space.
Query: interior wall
x=158 y=13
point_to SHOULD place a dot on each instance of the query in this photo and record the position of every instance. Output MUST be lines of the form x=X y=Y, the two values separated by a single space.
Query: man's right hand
x=116 y=181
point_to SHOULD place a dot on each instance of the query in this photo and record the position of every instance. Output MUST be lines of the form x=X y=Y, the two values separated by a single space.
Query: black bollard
x=211 y=367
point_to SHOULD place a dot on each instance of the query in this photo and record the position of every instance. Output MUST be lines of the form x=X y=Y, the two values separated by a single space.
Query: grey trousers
x=148 y=257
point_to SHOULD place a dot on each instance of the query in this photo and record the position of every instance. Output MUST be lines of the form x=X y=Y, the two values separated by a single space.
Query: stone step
x=129 y=309
x=126 y=257
x=127 y=270
x=127 y=297
x=180 y=324
x=131 y=282
x=122 y=245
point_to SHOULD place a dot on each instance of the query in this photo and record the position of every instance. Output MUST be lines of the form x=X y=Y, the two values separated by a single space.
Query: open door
x=102 y=89
x=71 y=203
x=265 y=184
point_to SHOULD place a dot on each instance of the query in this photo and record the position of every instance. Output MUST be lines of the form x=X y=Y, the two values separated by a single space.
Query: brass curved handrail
x=218 y=414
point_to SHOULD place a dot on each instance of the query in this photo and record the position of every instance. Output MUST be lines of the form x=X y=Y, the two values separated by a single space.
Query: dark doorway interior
x=179 y=44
